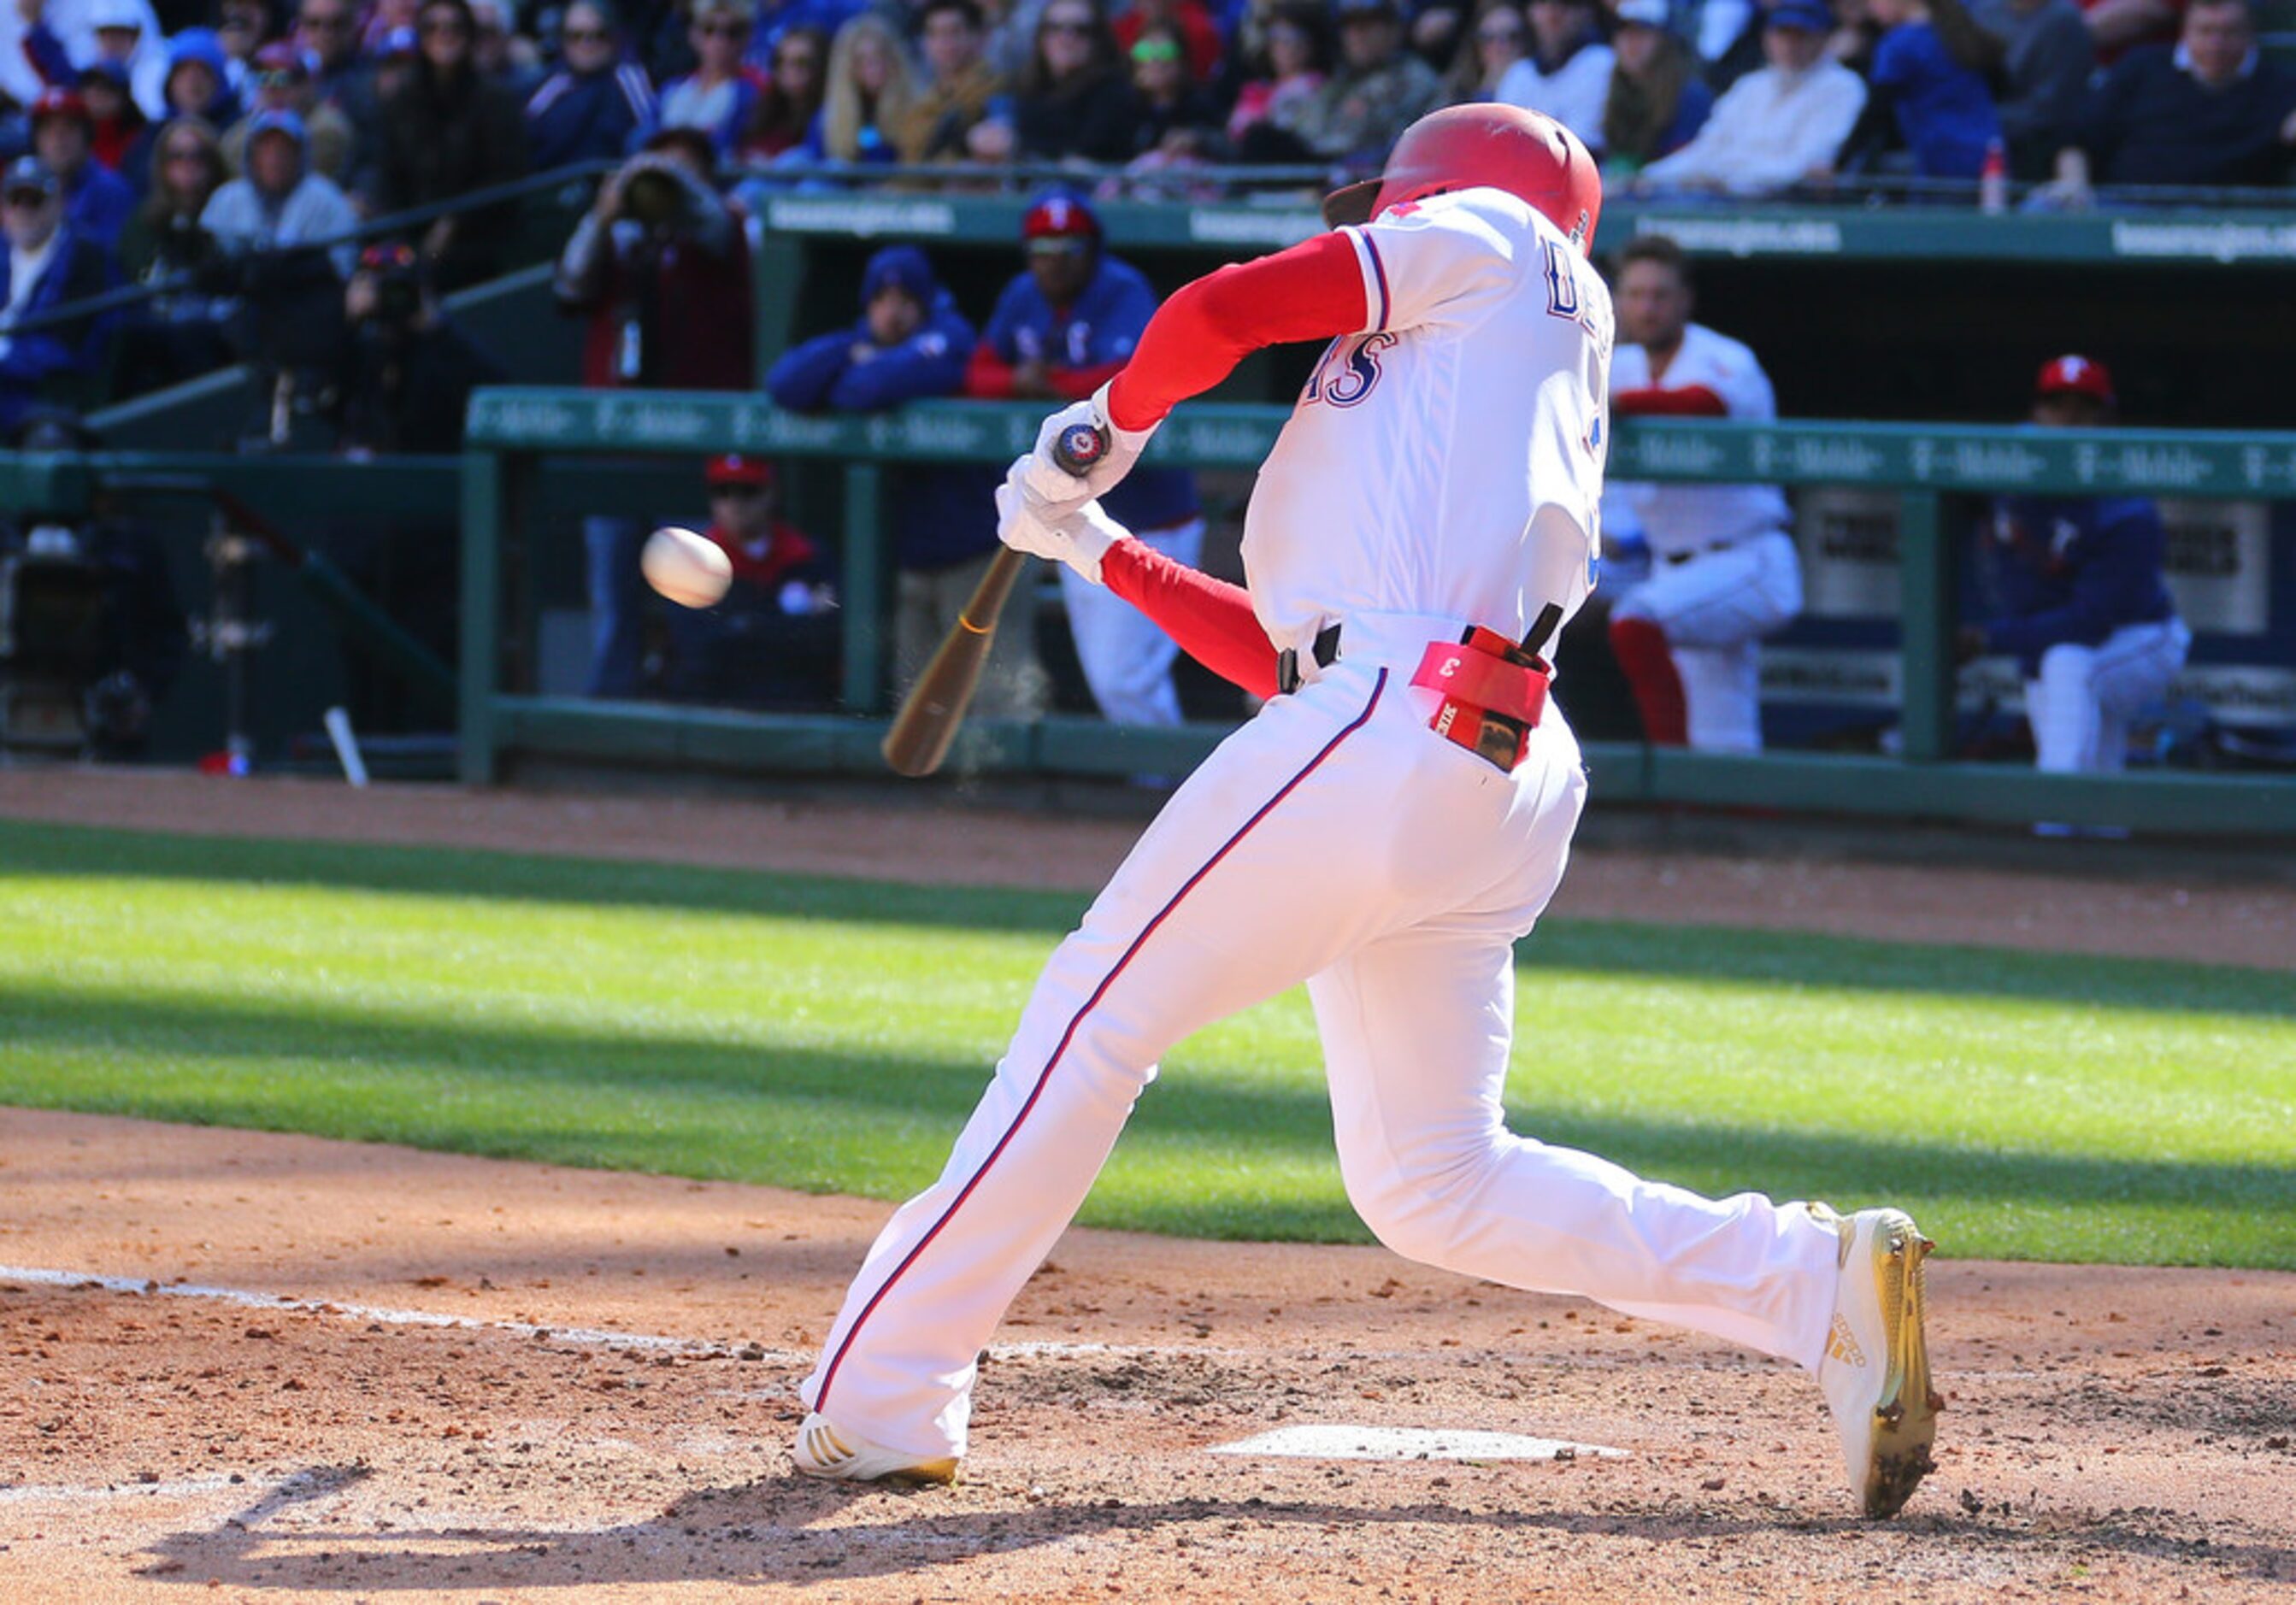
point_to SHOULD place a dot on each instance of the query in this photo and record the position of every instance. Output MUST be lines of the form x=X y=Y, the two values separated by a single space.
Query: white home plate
x=1410 y=1442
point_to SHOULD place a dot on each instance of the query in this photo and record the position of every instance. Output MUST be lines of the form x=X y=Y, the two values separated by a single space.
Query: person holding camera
x=407 y=374
x=659 y=269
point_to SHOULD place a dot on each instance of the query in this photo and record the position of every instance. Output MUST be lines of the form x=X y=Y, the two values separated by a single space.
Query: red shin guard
x=1640 y=647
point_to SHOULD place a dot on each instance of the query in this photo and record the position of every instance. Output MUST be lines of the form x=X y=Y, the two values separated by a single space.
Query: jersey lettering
x=1345 y=381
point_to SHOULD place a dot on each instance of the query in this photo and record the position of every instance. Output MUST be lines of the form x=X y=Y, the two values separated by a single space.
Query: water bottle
x=1993 y=180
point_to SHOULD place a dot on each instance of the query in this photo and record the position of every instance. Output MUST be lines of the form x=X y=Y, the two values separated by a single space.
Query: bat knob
x=1078 y=447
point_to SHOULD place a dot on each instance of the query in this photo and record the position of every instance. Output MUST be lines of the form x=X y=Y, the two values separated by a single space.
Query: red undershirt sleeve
x=1656 y=401
x=1314 y=290
x=1211 y=620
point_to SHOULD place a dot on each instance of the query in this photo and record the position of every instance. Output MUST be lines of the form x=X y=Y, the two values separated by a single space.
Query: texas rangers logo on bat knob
x=1078 y=447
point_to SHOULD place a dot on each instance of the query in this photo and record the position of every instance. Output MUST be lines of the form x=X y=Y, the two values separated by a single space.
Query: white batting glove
x=1078 y=534
x=1061 y=488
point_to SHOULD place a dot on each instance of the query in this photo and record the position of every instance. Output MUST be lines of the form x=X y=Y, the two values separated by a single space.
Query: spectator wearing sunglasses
x=46 y=265
x=796 y=88
x=447 y=133
x=1496 y=39
x=720 y=94
x=284 y=81
x=1076 y=98
x=598 y=99
x=772 y=642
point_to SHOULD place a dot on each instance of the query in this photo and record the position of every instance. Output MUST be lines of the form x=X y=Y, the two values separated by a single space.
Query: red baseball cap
x=53 y=101
x=1060 y=216
x=2075 y=376
x=738 y=468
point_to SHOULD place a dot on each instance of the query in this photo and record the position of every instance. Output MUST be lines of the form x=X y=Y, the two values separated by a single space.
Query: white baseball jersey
x=1691 y=518
x=1444 y=466
x=1402 y=482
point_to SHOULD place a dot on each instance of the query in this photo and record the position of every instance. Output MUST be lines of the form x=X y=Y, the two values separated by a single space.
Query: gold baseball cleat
x=1876 y=1370
x=823 y=1450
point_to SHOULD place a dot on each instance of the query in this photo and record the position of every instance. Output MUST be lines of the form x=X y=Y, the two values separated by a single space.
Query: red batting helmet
x=1526 y=153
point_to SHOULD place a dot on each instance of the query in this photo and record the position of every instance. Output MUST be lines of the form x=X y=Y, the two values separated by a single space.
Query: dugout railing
x=514 y=435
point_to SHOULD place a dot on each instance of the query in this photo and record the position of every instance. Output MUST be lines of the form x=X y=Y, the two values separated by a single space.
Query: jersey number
x=1348 y=371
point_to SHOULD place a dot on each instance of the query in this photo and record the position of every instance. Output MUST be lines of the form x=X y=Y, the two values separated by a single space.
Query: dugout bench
x=515 y=433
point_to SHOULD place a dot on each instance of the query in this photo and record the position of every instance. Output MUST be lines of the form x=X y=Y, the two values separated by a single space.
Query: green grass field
x=832 y=1035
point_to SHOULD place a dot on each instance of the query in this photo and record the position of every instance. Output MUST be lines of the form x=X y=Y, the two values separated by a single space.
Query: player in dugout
x=2081 y=601
x=1385 y=829
x=1062 y=328
x=1727 y=574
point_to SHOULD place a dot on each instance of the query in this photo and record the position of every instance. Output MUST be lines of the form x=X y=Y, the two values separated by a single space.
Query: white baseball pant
x=2080 y=704
x=1715 y=609
x=1336 y=839
x=1127 y=659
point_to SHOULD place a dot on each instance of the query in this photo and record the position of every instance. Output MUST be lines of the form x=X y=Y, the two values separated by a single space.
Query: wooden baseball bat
x=929 y=714
x=925 y=727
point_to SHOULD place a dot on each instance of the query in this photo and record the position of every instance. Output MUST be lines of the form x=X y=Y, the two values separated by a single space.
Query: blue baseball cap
x=903 y=268
x=1811 y=16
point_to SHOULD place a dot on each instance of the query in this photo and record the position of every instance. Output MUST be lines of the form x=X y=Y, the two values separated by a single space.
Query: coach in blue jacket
x=912 y=344
x=2081 y=602
x=1061 y=329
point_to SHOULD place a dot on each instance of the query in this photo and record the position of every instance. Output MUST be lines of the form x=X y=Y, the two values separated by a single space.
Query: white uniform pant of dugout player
x=1126 y=660
x=2081 y=703
x=1335 y=839
x=1715 y=608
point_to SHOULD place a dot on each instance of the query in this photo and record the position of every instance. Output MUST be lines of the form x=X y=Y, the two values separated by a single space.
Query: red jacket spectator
x=661 y=266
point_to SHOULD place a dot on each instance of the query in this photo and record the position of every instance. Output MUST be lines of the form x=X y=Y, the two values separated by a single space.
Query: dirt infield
x=606 y=1414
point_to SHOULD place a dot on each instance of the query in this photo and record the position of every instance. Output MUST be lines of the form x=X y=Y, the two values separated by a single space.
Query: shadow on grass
x=1720 y=955
x=766 y=1533
x=658 y=1103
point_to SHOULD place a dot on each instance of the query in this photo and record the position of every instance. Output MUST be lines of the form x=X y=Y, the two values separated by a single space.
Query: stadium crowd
x=194 y=145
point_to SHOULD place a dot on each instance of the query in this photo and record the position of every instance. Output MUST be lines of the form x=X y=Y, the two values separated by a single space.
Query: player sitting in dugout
x=1062 y=328
x=1688 y=638
x=772 y=641
x=2081 y=602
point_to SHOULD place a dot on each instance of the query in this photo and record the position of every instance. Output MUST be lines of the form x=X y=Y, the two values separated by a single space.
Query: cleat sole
x=1906 y=1419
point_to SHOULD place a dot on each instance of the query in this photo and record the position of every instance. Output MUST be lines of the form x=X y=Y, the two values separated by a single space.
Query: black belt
x=1683 y=557
x=1326 y=648
x=1287 y=661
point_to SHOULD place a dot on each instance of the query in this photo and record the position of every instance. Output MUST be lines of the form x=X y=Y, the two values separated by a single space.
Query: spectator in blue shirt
x=2080 y=598
x=1942 y=108
x=46 y=265
x=591 y=107
x=1062 y=328
x=2209 y=110
x=97 y=201
x=911 y=344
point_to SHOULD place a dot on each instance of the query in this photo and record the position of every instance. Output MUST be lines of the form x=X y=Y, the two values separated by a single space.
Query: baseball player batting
x=1385 y=829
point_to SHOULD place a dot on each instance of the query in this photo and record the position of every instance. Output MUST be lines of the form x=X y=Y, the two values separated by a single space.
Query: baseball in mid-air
x=691 y=569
